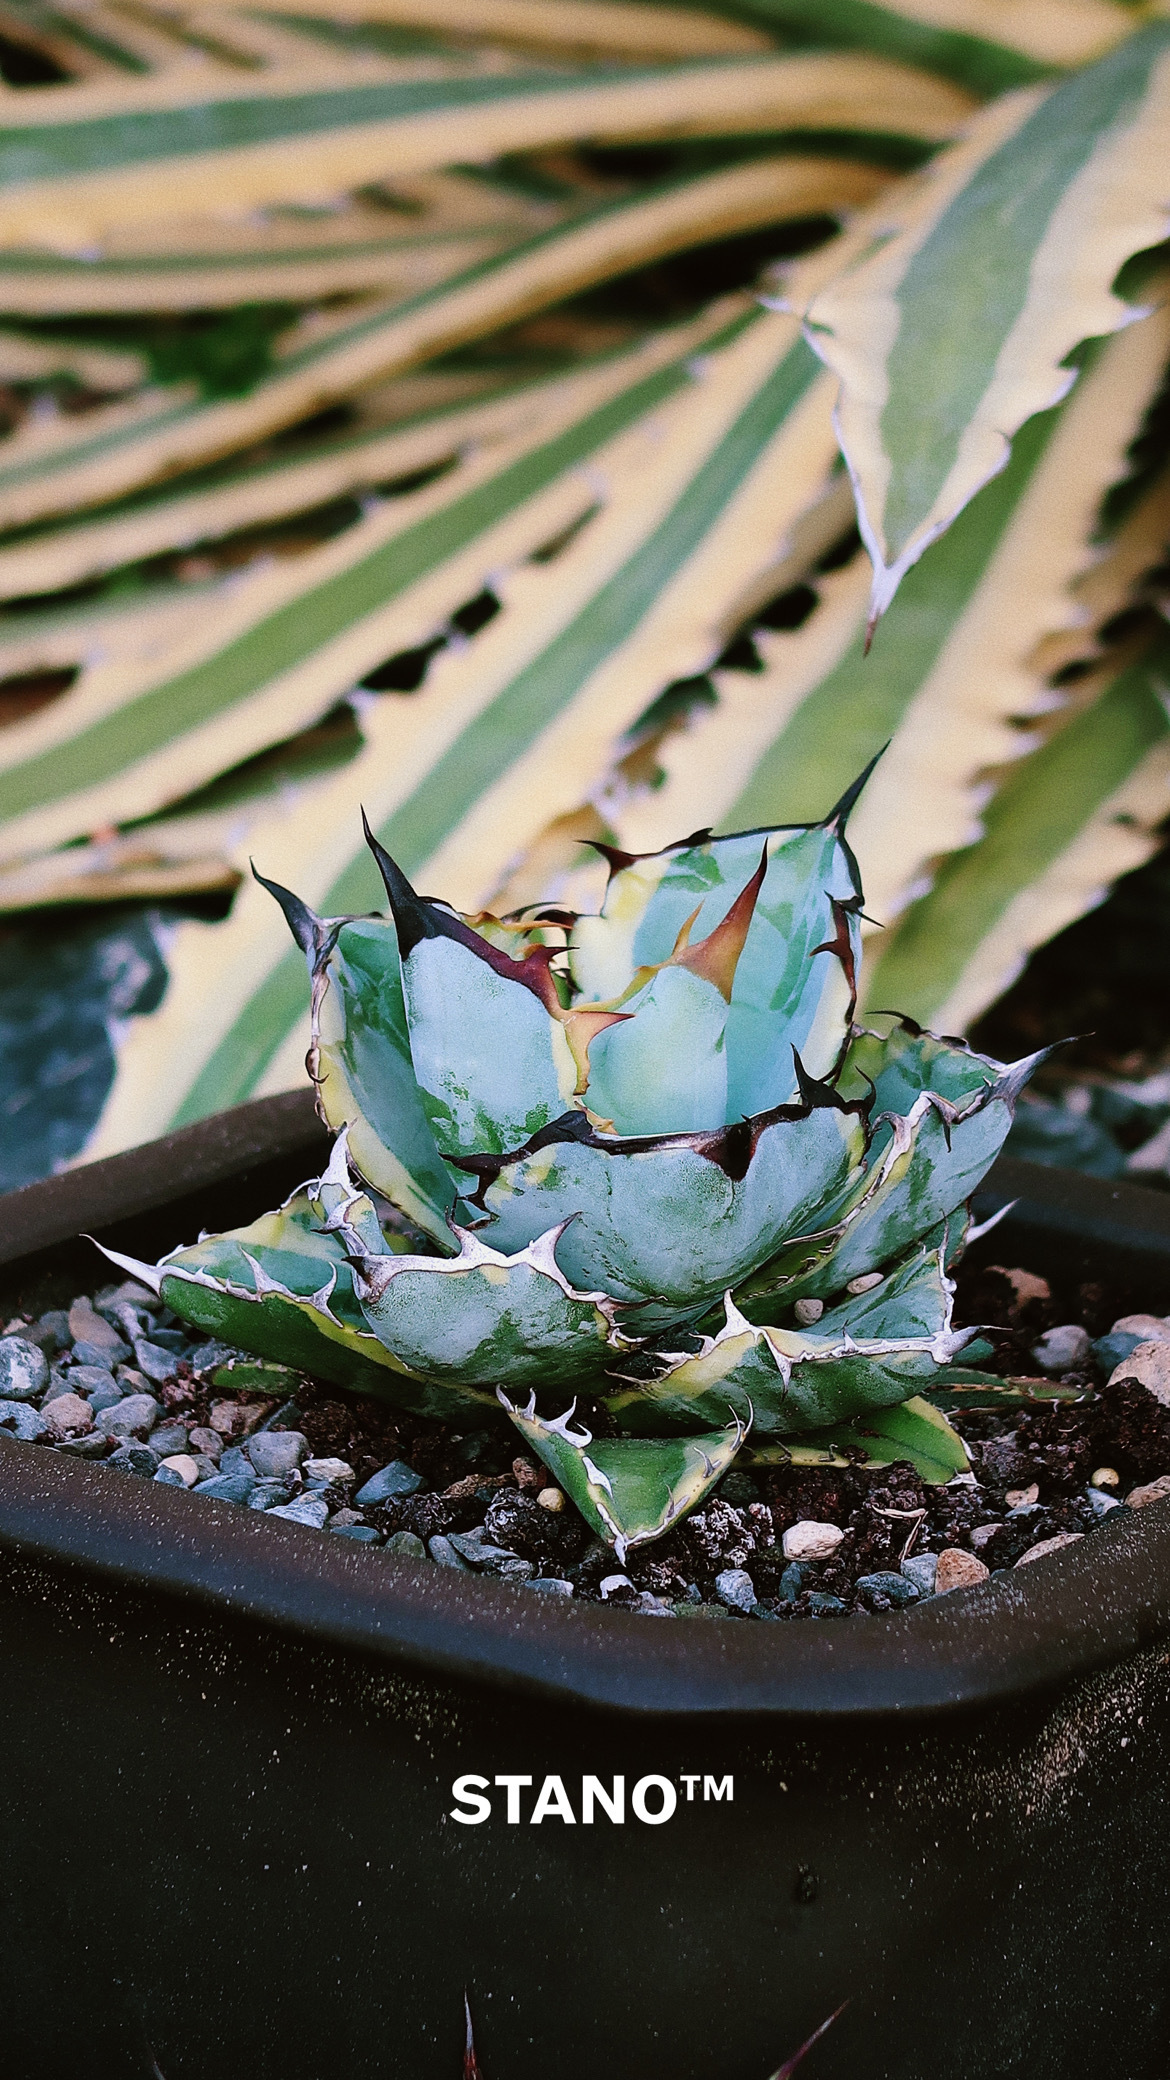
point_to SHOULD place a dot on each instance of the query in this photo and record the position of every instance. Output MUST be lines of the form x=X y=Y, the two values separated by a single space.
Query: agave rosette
x=644 y=1156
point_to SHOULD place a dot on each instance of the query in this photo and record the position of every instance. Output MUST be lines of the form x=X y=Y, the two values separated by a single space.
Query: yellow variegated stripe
x=115 y=636
x=1071 y=818
x=34 y=285
x=145 y=45
x=25 y=360
x=138 y=731
x=237 y=498
x=951 y=670
x=570 y=25
x=999 y=259
x=963 y=720
x=468 y=770
x=107 y=458
x=76 y=160
x=1054 y=32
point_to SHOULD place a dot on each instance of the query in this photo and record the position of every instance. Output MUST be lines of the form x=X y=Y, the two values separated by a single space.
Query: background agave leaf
x=117 y=451
x=999 y=259
x=72 y=165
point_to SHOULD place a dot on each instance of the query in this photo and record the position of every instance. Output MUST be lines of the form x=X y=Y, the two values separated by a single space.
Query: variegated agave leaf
x=999 y=259
x=283 y=1287
x=633 y=1489
x=913 y=1431
x=874 y=1349
x=473 y=1317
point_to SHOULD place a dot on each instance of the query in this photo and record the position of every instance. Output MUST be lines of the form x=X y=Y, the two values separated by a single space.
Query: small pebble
x=808 y=1311
x=1101 y=1502
x=1049 y=1545
x=94 y=1445
x=166 y=1477
x=87 y=1353
x=864 y=1282
x=182 y=1464
x=22 y=1421
x=168 y=1438
x=809 y=1540
x=735 y=1588
x=396 y=1479
x=822 y=1605
x=958 y=1570
x=322 y=1471
x=59 y=1383
x=1060 y=1349
x=1106 y=1477
x=134 y=1458
x=982 y=1535
x=151 y=1358
x=68 y=1415
x=307 y=1509
x=897 y=1589
x=272 y=1494
x=1145 y=1328
x=342 y=1517
x=361 y=1534
x=1148 y=1363
x=527 y=1474
x=1110 y=1350
x=921 y=1569
x=550 y=1585
x=209 y=1442
x=443 y=1551
x=134 y=1416
x=1151 y=1491
x=50 y=1331
x=24 y=1369
x=1023 y=1498
x=230 y=1418
x=227 y=1487
x=551 y=1499
x=275 y=1452
x=406 y=1545
x=613 y=1584
x=86 y=1325
x=791 y=1582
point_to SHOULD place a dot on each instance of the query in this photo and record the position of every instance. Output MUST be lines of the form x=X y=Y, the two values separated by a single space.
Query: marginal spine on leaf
x=716 y=957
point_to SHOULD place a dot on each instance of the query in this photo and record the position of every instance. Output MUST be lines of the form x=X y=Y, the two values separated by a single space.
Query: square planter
x=228 y=1748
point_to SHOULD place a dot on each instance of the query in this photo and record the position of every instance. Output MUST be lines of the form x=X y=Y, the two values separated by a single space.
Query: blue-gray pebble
x=24 y=1369
x=396 y=1479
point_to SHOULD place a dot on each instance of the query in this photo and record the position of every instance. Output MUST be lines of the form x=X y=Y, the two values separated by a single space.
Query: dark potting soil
x=119 y=1380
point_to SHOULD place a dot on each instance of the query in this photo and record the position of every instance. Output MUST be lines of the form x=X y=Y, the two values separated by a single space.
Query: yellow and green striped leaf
x=957 y=327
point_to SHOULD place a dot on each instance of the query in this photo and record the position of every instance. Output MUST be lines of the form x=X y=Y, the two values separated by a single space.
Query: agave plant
x=644 y=1156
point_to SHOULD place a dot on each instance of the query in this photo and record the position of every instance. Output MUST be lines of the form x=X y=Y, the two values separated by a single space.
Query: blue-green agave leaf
x=795 y=980
x=674 y=1220
x=628 y=1489
x=922 y=1164
x=913 y=1431
x=283 y=1288
x=872 y=1350
x=496 y=1054
x=361 y=1064
x=475 y=1317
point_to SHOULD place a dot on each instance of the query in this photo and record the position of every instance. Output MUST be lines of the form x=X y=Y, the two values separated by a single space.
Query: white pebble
x=809 y=1540
x=865 y=1282
x=1061 y=1348
x=808 y=1311
x=1105 y=1477
x=1149 y=1363
x=551 y=1499
x=185 y=1466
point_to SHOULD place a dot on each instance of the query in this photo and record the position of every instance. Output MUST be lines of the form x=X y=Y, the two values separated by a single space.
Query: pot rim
x=1063 y=1619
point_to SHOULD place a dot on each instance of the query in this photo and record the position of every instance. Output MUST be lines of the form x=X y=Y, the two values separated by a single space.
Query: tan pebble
x=1024 y=1284
x=1153 y=1491
x=185 y=1466
x=809 y=1540
x=69 y=1415
x=1020 y=1498
x=808 y=1311
x=1150 y=1327
x=207 y=1441
x=231 y=1418
x=958 y=1570
x=1105 y=1477
x=1049 y=1545
x=1150 y=1364
x=864 y=1282
x=551 y=1498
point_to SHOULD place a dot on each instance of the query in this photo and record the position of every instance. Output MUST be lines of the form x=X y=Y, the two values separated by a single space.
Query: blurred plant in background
x=391 y=416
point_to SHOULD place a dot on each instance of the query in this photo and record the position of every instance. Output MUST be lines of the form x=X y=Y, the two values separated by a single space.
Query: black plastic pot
x=228 y=1746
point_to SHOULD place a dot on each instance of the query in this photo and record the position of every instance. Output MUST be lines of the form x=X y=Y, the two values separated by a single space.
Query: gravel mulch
x=1066 y=1419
